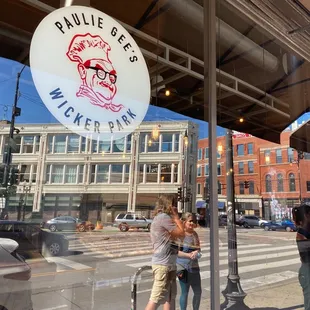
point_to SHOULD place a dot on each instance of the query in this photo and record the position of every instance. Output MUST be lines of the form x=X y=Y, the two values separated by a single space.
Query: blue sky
x=34 y=111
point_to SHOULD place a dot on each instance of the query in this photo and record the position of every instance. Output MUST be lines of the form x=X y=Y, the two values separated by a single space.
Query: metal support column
x=210 y=113
x=233 y=293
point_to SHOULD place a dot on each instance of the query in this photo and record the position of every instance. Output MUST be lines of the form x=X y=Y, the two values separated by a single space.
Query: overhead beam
x=147 y=12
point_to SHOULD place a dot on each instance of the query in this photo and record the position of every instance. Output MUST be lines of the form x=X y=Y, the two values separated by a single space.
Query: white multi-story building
x=63 y=173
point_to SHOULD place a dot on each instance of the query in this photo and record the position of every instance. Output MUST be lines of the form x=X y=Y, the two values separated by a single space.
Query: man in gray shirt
x=165 y=230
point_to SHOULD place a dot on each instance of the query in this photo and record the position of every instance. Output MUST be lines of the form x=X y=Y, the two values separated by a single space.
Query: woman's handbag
x=182 y=273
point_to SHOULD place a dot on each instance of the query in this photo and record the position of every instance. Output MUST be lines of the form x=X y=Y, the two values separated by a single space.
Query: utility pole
x=233 y=293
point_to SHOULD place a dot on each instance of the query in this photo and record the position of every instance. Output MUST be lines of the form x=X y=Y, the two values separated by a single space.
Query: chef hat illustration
x=85 y=47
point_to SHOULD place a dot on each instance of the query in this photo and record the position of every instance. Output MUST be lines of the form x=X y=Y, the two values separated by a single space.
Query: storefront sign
x=90 y=73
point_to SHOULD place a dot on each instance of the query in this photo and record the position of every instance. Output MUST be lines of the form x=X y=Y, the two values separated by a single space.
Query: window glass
x=206 y=153
x=71 y=174
x=219 y=169
x=104 y=147
x=141 y=173
x=280 y=183
x=251 y=188
x=28 y=144
x=151 y=173
x=166 y=142
x=279 y=156
x=250 y=149
x=199 y=171
x=241 y=188
x=126 y=175
x=165 y=175
x=251 y=166
x=241 y=168
x=73 y=144
x=116 y=173
x=206 y=169
x=175 y=173
x=83 y=144
x=118 y=146
x=102 y=173
x=34 y=173
x=143 y=141
x=306 y=156
x=199 y=154
x=128 y=143
x=81 y=174
x=240 y=149
x=25 y=173
x=198 y=188
x=177 y=142
x=290 y=154
x=268 y=183
x=152 y=145
x=267 y=157
x=308 y=186
x=60 y=144
x=219 y=187
x=292 y=184
x=57 y=174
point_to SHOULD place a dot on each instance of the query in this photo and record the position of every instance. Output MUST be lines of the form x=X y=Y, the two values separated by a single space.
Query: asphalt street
x=97 y=271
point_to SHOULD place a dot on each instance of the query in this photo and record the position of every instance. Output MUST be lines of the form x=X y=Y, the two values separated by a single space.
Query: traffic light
x=246 y=184
x=13 y=176
x=180 y=194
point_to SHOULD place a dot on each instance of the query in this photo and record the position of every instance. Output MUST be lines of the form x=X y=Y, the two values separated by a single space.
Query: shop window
x=206 y=169
x=308 y=186
x=290 y=155
x=241 y=168
x=199 y=154
x=28 y=144
x=292 y=185
x=116 y=174
x=175 y=173
x=198 y=188
x=151 y=173
x=250 y=149
x=240 y=149
x=166 y=142
x=219 y=169
x=279 y=156
x=199 y=171
x=206 y=153
x=251 y=188
x=102 y=174
x=177 y=142
x=268 y=183
x=57 y=174
x=251 y=167
x=165 y=174
x=118 y=146
x=71 y=174
x=73 y=144
x=280 y=183
x=126 y=175
x=241 y=188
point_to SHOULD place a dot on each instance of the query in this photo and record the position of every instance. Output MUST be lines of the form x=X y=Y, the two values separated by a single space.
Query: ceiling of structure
x=263 y=69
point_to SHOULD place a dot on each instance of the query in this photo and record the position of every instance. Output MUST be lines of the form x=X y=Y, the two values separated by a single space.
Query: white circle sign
x=90 y=73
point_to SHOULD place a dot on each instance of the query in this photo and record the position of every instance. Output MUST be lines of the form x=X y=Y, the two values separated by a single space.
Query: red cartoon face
x=100 y=76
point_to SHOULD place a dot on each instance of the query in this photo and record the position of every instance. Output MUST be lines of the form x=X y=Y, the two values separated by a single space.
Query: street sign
x=13 y=145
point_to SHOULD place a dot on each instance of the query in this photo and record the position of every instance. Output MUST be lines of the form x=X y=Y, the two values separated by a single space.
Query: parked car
x=223 y=220
x=33 y=238
x=287 y=225
x=15 y=274
x=68 y=223
x=125 y=221
x=262 y=222
x=249 y=221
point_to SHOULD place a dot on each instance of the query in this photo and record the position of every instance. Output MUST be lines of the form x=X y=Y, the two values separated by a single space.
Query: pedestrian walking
x=166 y=229
x=301 y=216
x=187 y=263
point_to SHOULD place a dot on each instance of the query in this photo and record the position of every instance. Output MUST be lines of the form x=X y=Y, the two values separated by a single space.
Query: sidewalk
x=283 y=296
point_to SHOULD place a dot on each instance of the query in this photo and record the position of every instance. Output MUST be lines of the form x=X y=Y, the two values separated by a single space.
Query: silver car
x=131 y=220
x=249 y=221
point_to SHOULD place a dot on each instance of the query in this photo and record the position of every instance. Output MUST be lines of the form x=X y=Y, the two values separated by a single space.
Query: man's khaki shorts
x=164 y=286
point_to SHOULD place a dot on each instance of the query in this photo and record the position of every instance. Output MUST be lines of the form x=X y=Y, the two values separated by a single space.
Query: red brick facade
x=272 y=172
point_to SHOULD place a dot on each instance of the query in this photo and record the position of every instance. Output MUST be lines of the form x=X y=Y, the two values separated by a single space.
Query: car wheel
x=82 y=228
x=54 y=248
x=262 y=225
x=53 y=228
x=288 y=229
x=123 y=228
x=149 y=227
x=245 y=225
x=266 y=228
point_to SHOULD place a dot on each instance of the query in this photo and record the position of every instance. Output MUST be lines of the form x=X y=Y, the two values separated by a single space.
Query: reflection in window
x=71 y=174
x=151 y=173
x=292 y=185
x=165 y=174
x=167 y=142
x=152 y=145
x=267 y=157
x=268 y=183
x=60 y=144
x=102 y=174
x=104 y=147
x=73 y=144
x=118 y=146
x=57 y=174
x=280 y=182
x=251 y=188
x=116 y=173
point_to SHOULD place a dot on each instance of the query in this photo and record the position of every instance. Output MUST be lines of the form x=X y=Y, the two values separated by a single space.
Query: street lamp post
x=26 y=190
x=233 y=292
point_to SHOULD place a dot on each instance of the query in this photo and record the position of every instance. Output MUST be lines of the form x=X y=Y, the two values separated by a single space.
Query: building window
x=167 y=143
x=24 y=174
x=126 y=173
x=240 y=149
x=118 y=146
x=280 y=183
x=290 y=155
x=104 y=147
x=116 y=174
x=251 y=188
x=143 y=141
x=198 y=189
x=241 y=188
x=175 y=173
x=71 y=174
x=307 y=156
x=60 y=144
x=177 y=142
x=165 y=173
x=83 y=144
x=128 y=143
x=199 y=171
x=241 y=168
x=206 y=153
x=268 y=183
x=141 y=173
x=206 y=169
x=73 y=144
x=267 y=157
x=34 y=173
x=251 y=167
x=28 y=144
x=81 y=174
x=219 y=187
x=102 y=174
x=219 y=169
x=57 y=174
x=218 y=154
x=308 y=186
x=152 y=145
x=292 y=185
x=151 y=173
x=250 y=149
x=279 y=156
x=199 y=154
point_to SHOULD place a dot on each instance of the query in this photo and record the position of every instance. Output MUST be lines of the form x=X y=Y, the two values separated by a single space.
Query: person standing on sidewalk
x=301 y=216
x=189 y=275
x=166 y=228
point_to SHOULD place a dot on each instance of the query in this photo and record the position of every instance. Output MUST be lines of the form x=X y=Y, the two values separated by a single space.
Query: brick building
x=272 y=170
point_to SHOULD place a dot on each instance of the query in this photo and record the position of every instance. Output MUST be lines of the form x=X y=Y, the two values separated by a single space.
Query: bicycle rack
x=134 y=286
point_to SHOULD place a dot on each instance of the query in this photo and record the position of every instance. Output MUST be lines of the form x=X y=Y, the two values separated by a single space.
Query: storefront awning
x=300 y=138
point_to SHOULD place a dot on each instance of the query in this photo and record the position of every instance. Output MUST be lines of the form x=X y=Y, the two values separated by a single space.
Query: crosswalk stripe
x=67 y=263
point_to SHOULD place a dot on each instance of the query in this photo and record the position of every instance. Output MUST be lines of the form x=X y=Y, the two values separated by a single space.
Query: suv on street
x=249 y=221
x=124 y=221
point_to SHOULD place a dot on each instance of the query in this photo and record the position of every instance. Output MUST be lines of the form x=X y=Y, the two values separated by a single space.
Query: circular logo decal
x=90 y=73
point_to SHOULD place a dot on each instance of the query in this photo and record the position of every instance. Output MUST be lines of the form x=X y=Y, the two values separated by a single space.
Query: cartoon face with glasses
x=96 y=71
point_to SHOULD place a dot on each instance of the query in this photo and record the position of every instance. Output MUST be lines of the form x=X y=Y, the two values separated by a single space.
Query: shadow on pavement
x=70 y=253
x=268 y=308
